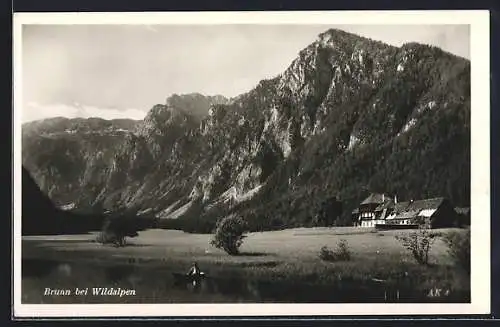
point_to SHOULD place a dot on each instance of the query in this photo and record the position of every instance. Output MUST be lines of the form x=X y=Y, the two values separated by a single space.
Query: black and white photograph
x=255 y=163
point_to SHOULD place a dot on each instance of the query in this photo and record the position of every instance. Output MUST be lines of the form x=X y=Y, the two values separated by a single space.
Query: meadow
x=289 y=255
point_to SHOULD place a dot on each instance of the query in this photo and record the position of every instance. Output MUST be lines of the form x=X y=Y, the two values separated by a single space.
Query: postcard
x=251 y=164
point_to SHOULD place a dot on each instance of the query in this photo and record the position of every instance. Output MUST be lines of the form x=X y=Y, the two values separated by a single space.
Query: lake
x=52 y=281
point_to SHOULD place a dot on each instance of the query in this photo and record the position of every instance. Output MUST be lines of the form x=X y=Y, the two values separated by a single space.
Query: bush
x=108 y=237
x=229 y=234
x=326 y=254
x=341 y=253
x=115 y=229
x=458 y=243
x=419 y=244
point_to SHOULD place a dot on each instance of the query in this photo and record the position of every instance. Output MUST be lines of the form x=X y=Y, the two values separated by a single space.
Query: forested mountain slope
x=348 y=116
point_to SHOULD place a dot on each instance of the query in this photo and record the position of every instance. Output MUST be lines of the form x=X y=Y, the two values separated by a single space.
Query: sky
x=121 y=71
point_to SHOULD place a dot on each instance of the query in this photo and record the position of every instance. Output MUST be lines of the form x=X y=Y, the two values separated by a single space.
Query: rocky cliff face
x=67 y=157
x=349 y=115
x=84 y=163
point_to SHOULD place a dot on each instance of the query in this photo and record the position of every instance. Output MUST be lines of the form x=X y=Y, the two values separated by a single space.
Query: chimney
x=383 y=197
x=395 y=199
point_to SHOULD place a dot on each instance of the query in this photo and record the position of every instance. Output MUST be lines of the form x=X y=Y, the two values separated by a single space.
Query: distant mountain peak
x=195 y=104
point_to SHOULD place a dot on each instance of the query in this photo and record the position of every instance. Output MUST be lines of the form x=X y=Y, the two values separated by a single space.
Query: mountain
x=40 y=216
x=195 y=104
x=62 y=154
x=72 y=159
x=349 y=116
x=60 y=125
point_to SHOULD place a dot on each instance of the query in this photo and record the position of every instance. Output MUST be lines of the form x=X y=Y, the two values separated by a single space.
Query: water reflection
x=37 y=267
x=163 y=282
x=118 y=273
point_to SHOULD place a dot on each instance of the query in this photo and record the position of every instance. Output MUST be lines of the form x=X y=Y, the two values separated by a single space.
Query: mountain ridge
x=347 y=102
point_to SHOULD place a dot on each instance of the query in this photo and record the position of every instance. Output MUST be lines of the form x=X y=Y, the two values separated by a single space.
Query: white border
x=480 y=162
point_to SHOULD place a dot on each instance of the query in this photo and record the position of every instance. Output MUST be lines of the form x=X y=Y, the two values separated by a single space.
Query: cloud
x=35 y=111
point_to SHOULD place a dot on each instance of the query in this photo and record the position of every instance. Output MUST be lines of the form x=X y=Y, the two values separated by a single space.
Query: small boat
x=188 y=278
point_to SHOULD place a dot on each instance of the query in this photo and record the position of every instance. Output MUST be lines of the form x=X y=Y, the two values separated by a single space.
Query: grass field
x=290 y=255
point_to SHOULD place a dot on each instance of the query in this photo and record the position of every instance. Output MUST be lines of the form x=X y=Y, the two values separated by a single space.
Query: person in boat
x=194 y=271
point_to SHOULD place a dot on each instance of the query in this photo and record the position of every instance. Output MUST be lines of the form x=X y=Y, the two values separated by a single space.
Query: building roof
x=433 y=203
x=412 y=209
x=407 y=214
x=388 y=203
x=401 y=206
x=418 y=205
x=375 y=198
x=427 y=212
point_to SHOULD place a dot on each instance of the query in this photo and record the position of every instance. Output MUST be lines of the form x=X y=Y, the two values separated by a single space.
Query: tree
x=115 y=229
x=229 y=234
x=419 y=244
x=329 y=211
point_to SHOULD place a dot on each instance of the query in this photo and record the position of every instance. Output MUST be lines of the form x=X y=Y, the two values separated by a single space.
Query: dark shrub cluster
x=341 y=253
x=115 y=229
